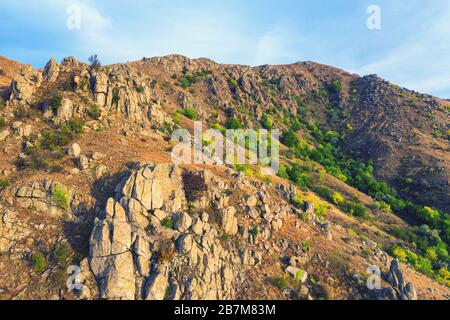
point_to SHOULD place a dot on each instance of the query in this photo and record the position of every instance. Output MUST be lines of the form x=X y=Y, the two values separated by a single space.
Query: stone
x=298 y=274
x=161 y=215
x=251 y=201
x=185 y=243
x=97 y=156
x=83 y=162
x=4 y=134
x=182 y=222
x=229 y=221
x=155 y=288
x=100 y=171
x=51 y=70
x=197 y=227
x=74 y=150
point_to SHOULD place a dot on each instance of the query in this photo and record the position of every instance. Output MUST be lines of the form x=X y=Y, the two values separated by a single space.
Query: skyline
x=411 y=48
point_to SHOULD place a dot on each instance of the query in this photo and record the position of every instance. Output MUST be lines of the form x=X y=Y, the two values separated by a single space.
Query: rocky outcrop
x=134 y=256
x=399 y=289
x=52 y=198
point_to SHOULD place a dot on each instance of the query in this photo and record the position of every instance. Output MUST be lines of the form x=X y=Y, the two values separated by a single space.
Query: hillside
x=86 y=179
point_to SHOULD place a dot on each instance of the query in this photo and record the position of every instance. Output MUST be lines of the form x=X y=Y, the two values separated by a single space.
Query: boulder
x=229 y=221
x=182 y=222
x=155 y=288
x=74 y=150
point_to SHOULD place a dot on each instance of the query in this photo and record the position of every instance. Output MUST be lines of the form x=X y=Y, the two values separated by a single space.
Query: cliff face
x=87 y=180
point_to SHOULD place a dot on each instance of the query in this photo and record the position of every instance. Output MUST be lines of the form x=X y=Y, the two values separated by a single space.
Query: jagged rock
x=83 y=162
x=251 y=201
x=298 y=274
x=399 y=290
x=74 y=150
x=100 y=171
x=51 y=70
x=4 y=134
x=229 y=221
x=156 y=287
x=182 y=222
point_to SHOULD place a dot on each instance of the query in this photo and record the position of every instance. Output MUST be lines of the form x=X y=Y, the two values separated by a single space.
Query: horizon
x=408 y=47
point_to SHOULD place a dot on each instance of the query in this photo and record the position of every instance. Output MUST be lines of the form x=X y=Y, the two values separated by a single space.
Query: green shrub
x=233 y=123
x=62 y=253
x=233 y=84
x=94 y=111
x=140 y=89
x=60 y=197
x=336 y=86
x=167 y=223
x=190 y=113
x=320 y=211
x=225 y=236
x=218 y=127
x=2 y=122
x=282 y=172
x=254 y=231
x=280 y=282
x=53 y=139
x=4 y=183
x=56 y=103
x=267 y=122
x=2 y=72
x=74 y=125
x=38 y=262
x=337 y=198
x=383 y=206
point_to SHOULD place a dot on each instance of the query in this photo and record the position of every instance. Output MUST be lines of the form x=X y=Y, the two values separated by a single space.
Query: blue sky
x=411 y=49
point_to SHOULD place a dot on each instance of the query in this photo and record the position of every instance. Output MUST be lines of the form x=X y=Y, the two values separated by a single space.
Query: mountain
x=87 y=180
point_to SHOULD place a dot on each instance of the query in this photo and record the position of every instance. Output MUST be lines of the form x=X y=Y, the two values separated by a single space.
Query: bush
x=167 y=223
x=320 y=211
x=233 y=84
x=254 y=231
x=94 y=111
x=2 y=72
x=55 y=104
x=53 y=139
x=337 y=198
x=94 y=62
x=2 y=122
x=336 y=86
x=297 y=176
x=60 y=197
x=4 y=183
x=233 y=123
x=280 y=282
x=62 y=253
x=73 y=126
x=184 y=83
x=190 y=113
x=267 y=122
x=38 y=262
x=399 y=253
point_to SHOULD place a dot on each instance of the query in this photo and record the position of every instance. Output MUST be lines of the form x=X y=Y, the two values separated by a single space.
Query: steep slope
x=86 y=180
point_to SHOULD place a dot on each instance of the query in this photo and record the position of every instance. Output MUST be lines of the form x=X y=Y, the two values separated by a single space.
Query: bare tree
x=95 y=62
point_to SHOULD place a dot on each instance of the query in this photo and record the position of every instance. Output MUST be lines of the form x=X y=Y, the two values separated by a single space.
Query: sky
x=411 y=48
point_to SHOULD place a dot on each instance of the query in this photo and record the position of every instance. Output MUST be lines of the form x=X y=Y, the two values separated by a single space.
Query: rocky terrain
x=87 y=180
